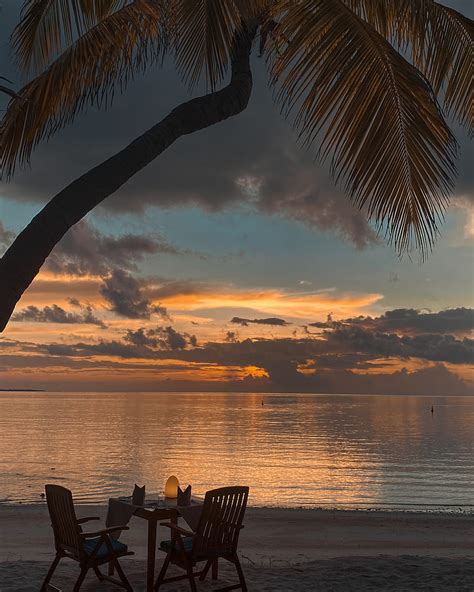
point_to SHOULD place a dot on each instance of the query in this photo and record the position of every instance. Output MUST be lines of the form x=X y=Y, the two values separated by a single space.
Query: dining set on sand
x=211 y=532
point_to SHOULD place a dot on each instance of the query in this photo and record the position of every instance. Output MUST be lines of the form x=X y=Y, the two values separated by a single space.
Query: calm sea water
x=295 y=450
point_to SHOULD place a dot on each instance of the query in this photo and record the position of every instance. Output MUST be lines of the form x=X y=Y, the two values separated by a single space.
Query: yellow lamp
x=171 y=487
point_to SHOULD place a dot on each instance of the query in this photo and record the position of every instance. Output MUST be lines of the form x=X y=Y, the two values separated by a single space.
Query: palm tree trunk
x=23 y=260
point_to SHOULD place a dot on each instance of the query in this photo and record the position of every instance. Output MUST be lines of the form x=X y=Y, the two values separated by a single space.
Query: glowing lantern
x=171 y=487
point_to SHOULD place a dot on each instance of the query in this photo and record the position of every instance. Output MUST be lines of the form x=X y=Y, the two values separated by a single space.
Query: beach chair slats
x=90 y=550
x=216 y=537
x=221 y=520
x=63 y=518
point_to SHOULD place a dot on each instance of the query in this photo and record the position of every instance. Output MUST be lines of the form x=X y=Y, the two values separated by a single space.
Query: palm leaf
x=440 y=41
x=206 y=31
x=446 y=58
x=382 y=15
x=6 y=90
x=49 y=26
x=86 y=73
x=372 y=111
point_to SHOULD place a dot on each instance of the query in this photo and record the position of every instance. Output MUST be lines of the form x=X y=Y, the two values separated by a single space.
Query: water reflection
x=295 y=450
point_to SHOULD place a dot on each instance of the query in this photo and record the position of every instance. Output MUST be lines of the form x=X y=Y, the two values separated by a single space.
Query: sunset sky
x=230 y=263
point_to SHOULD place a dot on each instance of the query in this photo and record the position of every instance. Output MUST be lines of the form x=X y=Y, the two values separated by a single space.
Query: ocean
x=293 y=450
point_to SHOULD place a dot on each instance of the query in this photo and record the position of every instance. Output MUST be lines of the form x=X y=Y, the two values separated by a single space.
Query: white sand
x=281 y=550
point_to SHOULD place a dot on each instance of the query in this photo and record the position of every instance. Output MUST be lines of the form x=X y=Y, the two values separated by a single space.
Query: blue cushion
x=187 y=542
x=89 y=546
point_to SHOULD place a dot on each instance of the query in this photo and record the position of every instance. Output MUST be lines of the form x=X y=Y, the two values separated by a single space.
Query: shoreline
x=282 y=550
x=26 y=534
x=448 y=509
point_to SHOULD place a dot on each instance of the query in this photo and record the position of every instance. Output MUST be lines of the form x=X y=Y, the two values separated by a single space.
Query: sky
x=231 y=263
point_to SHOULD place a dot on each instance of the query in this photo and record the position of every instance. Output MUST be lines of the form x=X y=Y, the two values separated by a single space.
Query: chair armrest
x=178 y=529
x=82 y=520
x=85 y=535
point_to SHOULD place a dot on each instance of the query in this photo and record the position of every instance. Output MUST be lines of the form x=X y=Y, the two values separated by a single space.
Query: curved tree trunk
x=23 y=260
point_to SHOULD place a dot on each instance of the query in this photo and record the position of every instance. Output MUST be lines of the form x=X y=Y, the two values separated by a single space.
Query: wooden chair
x=216 y=536
x=89 y=549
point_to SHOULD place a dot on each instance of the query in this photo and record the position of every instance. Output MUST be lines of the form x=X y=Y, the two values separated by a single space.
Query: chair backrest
x=221 y=520
x=63 y=519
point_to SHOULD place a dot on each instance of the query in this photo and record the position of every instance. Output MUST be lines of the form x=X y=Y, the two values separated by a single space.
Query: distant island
x=20 y=390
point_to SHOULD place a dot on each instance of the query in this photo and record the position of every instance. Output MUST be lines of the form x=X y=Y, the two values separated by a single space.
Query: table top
x=162 y=508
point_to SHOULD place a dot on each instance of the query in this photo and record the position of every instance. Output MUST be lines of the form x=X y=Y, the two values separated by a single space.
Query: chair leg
x=50 y=573
x=80 y=579
x=192 y=582
x=122 y=576
x=205 y=571
x=111 y=569
x=240 y=573
x=162 y=574
x=98 y=573
x=215 y=569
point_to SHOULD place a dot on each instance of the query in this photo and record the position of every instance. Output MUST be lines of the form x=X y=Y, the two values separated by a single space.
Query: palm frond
x=86 y=73
x=446 y=58
x=382 y=15
x=49 y=26
x=205 y=33
x=7 y=90
x=372 y=111
x=206 y=30
x=440 y=41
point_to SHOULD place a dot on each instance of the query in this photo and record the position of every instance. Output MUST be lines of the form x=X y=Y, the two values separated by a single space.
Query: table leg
x=150 y=572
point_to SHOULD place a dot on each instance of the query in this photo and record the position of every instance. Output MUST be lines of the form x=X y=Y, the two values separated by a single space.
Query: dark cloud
x=56 y=314
x=300 y=197
x=336 y=348
x=210 y=169
x=8 y=343
x=102 y=348
x=173 y=339
x=409 y=320
x=6 y=237
x=169 y=288
x=445 y=321
x=435 y=381
x=283 y=361
x=85 y=250
x=269 y=321
x=433 y=347
x=231 y=337
x=166 y=338
x=141 y=338
x=151 y=344
x=124 y=294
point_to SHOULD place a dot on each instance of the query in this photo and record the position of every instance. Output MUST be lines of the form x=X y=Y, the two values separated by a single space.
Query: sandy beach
x=281 y=549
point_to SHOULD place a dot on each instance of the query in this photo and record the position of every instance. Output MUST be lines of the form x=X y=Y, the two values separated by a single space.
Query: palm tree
x=361 y=79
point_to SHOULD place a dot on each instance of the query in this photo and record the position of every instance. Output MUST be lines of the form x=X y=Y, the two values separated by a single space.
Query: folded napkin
x=184 y=496
x=138 y=495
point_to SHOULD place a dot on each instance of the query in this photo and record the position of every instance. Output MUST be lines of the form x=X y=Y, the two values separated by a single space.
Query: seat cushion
x=89 y=546
x=187 y=541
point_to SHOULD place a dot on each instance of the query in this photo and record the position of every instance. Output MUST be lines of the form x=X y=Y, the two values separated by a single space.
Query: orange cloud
x=186 y=300
x=50 y=289
x=276 y=302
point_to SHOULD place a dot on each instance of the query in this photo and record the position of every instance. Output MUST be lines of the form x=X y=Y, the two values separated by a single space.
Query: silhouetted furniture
x=217 y=536
x=90 y=549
